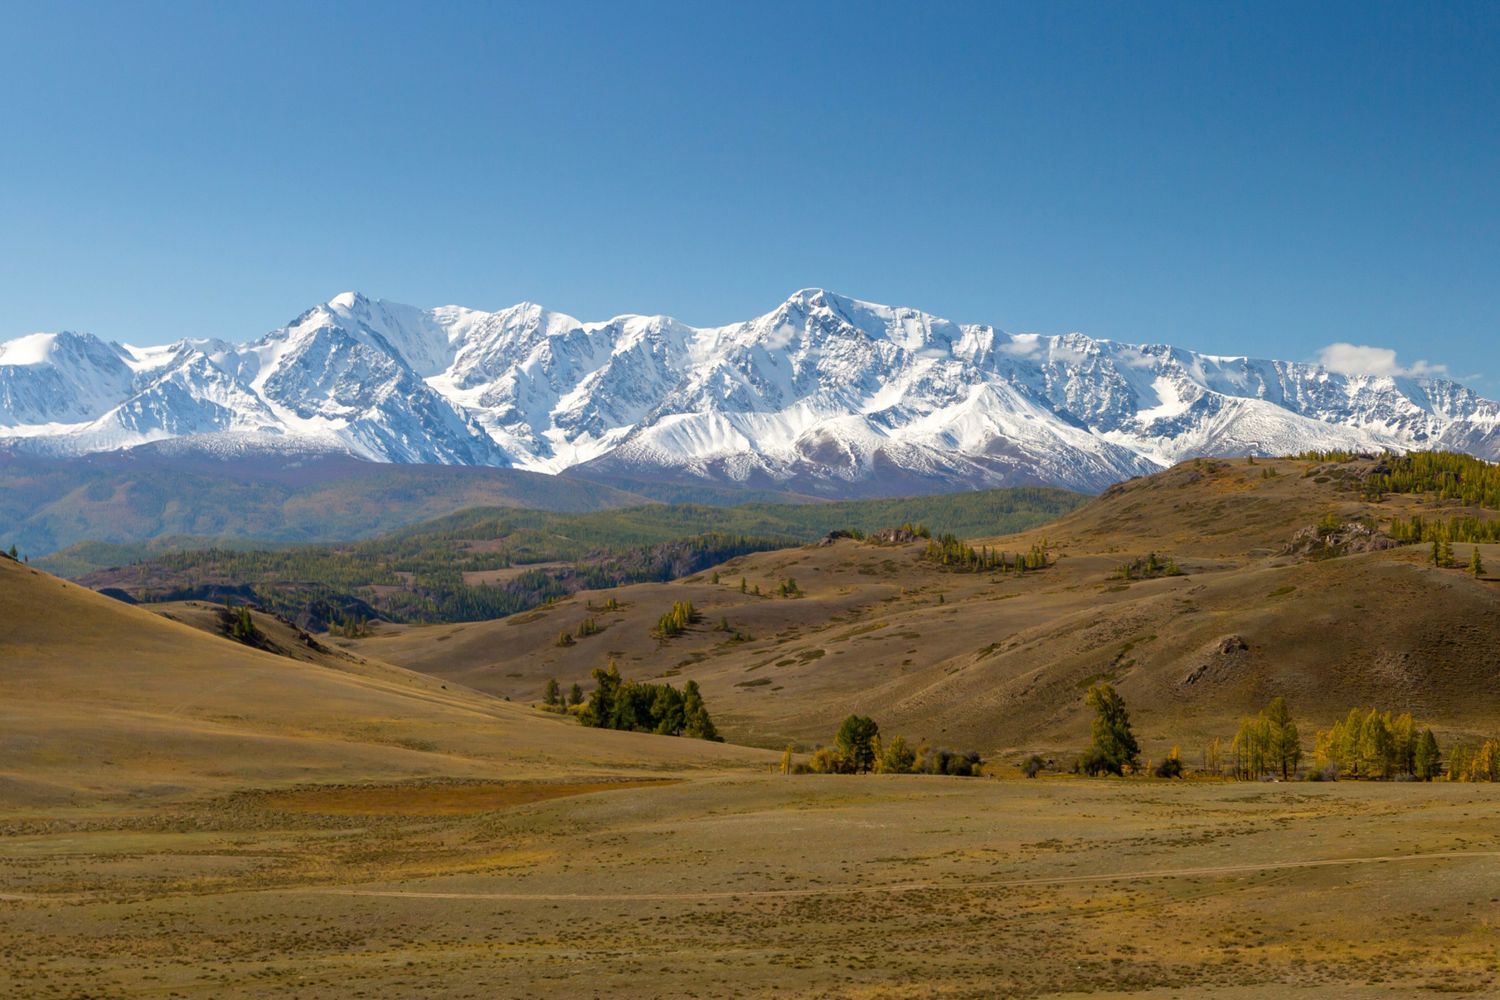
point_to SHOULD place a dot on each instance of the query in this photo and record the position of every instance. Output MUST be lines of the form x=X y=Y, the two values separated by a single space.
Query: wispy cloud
x=1361 y=359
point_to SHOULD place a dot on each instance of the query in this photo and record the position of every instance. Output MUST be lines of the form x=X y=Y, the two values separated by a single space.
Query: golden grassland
x=764 y=885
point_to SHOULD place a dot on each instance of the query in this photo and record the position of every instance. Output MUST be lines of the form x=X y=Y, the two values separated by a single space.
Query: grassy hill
x=1000 y=662
x=100 y=700
x=490 y=562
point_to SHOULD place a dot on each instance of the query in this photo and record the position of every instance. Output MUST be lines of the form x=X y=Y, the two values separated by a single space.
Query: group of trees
x=553 y=698
x=1442 y=475
x=1148 y=567
x=857 y=749
x=586 y=628
x=241 y=625
x=1368 y=743
x=676 y=621
x=616 y=703
x=1365 y=744
x=1482 y=763
x=1267 y=743
x=953 y=553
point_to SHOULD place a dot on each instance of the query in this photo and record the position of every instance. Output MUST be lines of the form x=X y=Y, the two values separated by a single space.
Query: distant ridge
x=824 y=395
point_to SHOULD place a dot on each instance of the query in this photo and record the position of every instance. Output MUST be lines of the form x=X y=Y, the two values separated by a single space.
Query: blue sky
x=1236 y=178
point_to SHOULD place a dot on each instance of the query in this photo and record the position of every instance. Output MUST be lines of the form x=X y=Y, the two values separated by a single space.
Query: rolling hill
x=103 y=701
x=1000 y=662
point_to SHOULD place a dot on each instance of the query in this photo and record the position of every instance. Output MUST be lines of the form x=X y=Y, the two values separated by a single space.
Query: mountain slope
x=824 y=395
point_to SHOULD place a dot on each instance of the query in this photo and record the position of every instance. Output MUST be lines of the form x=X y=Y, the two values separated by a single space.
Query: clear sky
x=1237 y=178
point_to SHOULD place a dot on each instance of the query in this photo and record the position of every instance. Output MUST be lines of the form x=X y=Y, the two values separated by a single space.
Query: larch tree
x=1114 y=747
x=1285 y=742
x=856 y=741
x=1428 y=758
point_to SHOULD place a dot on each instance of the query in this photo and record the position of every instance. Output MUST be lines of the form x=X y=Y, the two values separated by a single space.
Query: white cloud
x=1361 y=359
x=1022 y=345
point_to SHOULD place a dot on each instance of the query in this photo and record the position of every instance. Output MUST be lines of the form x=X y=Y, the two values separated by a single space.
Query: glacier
x=825 y=395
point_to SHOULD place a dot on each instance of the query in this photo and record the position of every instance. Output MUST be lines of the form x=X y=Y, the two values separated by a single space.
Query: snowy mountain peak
x=824 y=393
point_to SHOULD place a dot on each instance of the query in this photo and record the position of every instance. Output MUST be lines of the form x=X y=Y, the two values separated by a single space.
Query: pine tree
x=1476 y=564
x=553 y=695
x=575 y=694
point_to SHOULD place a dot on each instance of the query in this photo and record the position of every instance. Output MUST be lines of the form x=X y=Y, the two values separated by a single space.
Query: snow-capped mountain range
x=825 y=394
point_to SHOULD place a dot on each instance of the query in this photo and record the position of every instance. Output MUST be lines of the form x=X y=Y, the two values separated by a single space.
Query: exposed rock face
x=1327 y=540
x=1219 y=661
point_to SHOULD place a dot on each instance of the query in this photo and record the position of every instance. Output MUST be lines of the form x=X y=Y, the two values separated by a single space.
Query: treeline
x=528 y=536
x=630 y=705
x=857 y=749
x=1367 y=744
x=316 y=586
x=1442 y=475
x=951 y=552
x=1418 y=530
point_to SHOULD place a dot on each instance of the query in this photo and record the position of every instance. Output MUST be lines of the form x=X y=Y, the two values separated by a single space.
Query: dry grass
x=767 y=886
x=434 y=799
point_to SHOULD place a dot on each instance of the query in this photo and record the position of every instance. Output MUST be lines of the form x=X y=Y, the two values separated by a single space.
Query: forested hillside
x=491 y=562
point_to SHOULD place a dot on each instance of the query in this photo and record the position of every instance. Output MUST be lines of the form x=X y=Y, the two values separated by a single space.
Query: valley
x=204 y=801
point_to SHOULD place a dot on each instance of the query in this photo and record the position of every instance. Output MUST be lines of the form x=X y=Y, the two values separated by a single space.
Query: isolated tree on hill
x=1114 y=746
x=856 y=741
x=553 y=694
x=1476 y=563
x=575 y=696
